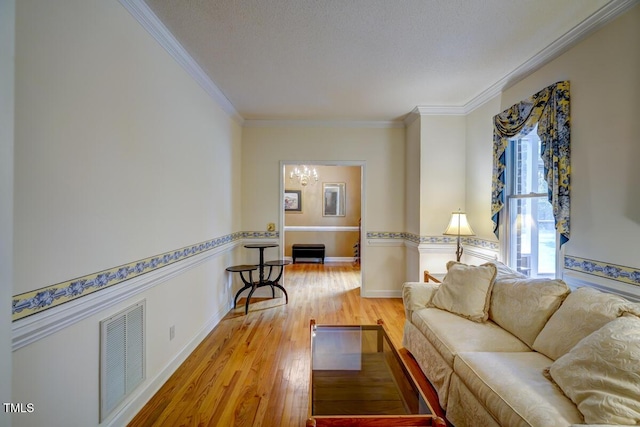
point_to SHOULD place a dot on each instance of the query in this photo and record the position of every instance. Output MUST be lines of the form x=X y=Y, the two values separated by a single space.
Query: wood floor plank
x=254 y=369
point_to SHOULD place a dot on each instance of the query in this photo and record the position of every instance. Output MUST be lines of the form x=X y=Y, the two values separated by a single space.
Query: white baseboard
x=149 y=388
x=327 y=259
x=339 y=259
x=382 y=293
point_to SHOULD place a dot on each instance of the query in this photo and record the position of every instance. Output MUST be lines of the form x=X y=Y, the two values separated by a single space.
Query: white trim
x=321 y=228
x=576 y=280
x=150 y=22
x=363 y=203
x=607 y=13
x=382 y=124
x=436 y=248
x=412 y=245
x=385 y=242
x=572 y=37
x=388 y=293
x=326 y=259
x=424 y=110
x=338 y=259
x=30 y=329
x=250 y=240
x=125 y=414
x=485 y=254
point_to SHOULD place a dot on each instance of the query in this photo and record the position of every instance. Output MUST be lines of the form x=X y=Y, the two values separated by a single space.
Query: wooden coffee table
x=359 y=379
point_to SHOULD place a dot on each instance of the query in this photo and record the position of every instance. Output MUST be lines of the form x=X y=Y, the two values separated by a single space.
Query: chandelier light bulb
x=304 y=175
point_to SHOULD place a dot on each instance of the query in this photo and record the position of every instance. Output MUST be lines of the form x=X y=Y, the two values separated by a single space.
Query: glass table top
x=356 y=371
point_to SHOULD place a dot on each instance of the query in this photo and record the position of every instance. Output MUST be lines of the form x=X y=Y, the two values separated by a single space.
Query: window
x=523 y=220
x=531 y=234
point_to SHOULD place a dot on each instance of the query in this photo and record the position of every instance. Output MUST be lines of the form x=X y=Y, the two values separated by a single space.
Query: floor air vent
x=122 y=359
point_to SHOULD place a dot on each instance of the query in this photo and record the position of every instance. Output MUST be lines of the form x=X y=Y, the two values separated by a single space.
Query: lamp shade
x=459 y=226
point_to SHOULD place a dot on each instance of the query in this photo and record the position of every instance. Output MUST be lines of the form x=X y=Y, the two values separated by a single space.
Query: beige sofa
x=534 y=354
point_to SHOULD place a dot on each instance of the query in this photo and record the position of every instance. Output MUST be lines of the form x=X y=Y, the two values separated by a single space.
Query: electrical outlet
x=172 y=332
x=271 y=226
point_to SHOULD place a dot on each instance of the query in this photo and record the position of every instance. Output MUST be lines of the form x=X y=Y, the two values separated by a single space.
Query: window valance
x=549 y=108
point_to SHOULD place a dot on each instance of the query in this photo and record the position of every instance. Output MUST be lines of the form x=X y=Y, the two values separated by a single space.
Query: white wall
x=605 y=87
x=603 y=71
x=7 y=40
x=479 y=160
x=442 y=185
x=442 y=171
x=382 y=150
x=119 y=155
x=413 y=196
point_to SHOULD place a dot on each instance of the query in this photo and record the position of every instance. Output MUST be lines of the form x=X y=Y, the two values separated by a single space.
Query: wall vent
x=122 y=356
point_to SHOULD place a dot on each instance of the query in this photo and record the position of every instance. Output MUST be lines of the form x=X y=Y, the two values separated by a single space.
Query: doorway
x=323 y=204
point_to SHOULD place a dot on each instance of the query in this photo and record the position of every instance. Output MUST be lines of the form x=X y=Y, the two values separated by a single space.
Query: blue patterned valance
x=548 y=108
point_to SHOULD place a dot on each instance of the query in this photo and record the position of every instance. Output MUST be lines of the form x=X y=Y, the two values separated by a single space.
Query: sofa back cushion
x=503 y=271
x=523 y=306
x=601 y=374
x=466 y=290
x=584 y=311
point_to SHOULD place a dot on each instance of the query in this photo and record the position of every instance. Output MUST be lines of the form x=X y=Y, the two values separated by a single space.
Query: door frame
x=363 y=174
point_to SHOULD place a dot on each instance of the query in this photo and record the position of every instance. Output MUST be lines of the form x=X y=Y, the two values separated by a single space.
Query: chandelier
x=304 y=175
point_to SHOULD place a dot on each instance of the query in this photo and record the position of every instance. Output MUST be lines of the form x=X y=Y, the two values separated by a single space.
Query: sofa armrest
x=416 y=295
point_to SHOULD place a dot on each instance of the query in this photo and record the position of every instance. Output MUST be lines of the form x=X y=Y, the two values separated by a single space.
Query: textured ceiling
x=363 y=59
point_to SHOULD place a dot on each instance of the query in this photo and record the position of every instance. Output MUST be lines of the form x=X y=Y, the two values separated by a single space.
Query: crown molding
x=143 y=14
x=382 y=124
x=150 y=22
x=578 y=33
x=424 y=110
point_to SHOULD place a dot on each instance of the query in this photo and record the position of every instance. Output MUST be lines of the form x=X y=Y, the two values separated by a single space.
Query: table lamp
x=458 y=226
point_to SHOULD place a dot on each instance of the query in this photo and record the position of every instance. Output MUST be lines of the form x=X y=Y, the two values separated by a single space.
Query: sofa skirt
x=465 y=410
x=435 y=368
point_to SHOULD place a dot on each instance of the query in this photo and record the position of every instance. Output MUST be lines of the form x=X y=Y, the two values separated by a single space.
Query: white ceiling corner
x=150 y=22
x=365 y=63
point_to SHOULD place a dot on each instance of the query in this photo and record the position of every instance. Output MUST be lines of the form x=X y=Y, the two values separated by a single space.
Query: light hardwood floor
x=253 y=370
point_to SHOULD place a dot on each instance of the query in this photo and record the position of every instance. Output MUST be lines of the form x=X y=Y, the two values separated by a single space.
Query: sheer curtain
x=549 y=108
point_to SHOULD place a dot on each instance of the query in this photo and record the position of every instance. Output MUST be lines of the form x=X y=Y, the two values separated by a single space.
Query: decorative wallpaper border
x=437 y=240
x=607 y=270
x=36 y=301
x=33 y=302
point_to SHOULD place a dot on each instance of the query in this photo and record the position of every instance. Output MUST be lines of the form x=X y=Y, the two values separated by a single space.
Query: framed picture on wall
x=293 y=200
x=334 y=200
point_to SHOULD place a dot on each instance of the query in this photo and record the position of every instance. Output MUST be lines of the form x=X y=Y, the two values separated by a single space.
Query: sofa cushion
x=506 y=272
x=601 y=374
x=523 y=306
x=431 y=362
x=584 y=311
x=416 y=295
x=466 y=290
x=451 y=334
x=513 y=389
